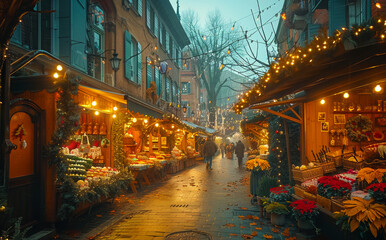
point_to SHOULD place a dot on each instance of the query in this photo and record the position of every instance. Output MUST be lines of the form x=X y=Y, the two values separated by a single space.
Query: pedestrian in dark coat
x=239 y=151
x=210 y=149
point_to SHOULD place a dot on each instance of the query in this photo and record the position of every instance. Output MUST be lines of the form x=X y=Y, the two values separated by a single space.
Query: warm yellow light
x=283 y=16
x=172 y=126
x=114 y=116
x=155 y=48
x=59 y=67
x=145 y=121
x=322 y=101
x=96 y=113
x=310 y=49
x=115 y=108
x=346 y=95
x=229 y=51
x=94 y=103
x=378 y=88
x=221 y=66
x=382 y=36
x=378 y=5
x=134 y=120
x=56 y=75
x=157 y=125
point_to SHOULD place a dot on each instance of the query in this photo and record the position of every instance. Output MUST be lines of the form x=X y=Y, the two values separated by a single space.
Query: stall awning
x=331 y=75
x=144 y=108
x=206 y=130
x=116 y=96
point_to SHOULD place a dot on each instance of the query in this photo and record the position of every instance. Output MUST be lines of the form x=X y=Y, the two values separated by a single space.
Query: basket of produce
x=304 y=173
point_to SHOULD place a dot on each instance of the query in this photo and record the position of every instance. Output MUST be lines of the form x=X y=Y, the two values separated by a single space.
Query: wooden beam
x=297 y=115
x=283 y=115
x=278 y=103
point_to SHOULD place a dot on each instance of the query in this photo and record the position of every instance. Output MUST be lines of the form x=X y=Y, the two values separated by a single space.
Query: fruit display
x=100 y=173
x=77 y=167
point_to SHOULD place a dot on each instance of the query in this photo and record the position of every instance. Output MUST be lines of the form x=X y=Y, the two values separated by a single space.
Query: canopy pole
x=288 y=150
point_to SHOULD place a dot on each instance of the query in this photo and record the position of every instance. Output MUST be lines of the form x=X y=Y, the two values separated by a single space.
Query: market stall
x=332 y=91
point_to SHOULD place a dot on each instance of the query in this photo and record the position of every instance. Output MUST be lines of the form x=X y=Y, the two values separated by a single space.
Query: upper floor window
x=354 y=12
x=185 y=87
x=26 y=33
x=132 y=62
x=97 y=39
x=136 y=4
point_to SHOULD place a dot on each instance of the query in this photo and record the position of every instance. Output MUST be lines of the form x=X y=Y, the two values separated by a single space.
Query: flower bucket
x=277 y=219
x=305 y=225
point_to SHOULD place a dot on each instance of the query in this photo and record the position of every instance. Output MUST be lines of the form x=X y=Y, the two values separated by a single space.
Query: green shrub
x=266 y=183
x=277 y=208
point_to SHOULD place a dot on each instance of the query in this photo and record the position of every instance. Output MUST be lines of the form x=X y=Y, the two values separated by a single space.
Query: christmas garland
x=359 y=128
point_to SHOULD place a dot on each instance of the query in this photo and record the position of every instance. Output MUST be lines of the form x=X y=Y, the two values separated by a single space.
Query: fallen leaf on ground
x=249 y=217
x=258 y=228
x=285 y=233
x=266 y=236
x=244 y=208
x=233 y=234
x=227 y=208
x=242 y=227
x=242 y=217
x=253 y=224
x=228 y=194
x=141 y=201
x=246 y=236
x=256 y=218
x=291 y=238
x=275 y=230
x=229 y=225
x=254 y=233
x=98 y=215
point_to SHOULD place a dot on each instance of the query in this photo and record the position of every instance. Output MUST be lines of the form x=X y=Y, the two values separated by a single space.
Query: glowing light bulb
x=346 y=95
x=114 y=116
x=157 y=125
x=145 y=121
x=378 y=5
x=134 y=120
x=59 y=67
x=378 y=88
x=94 y=103
x=96 y=113
x=56 y=75
x=172 y=126
x=115 y=108
x=322 y=101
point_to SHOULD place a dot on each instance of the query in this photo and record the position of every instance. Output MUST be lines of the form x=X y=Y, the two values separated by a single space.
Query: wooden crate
x=304 y=175
x=352 y=165
x=323 y=202
x=336 y=205
x=337 y=160
x=299 y=191
x=328 y=167
x=309 y=196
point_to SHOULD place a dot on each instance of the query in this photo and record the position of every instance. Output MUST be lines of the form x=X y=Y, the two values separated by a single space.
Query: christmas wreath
x=358 y=128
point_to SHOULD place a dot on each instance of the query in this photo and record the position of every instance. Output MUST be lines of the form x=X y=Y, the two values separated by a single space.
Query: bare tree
x=211 y=49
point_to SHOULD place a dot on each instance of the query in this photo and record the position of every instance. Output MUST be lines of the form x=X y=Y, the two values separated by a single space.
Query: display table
x=140 y=172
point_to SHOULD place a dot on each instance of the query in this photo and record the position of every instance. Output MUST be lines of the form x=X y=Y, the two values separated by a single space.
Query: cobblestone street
x=212 y=201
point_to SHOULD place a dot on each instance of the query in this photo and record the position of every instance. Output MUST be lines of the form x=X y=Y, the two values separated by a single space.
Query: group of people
x=210 y=148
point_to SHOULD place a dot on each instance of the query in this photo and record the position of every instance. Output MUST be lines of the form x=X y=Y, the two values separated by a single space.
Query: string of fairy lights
x=304 y=56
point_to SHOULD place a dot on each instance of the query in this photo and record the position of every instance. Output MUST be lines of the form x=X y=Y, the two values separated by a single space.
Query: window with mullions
x=185 y=88
x=187 y=105
x=354 y=12
x=167 y=90
x=96 y=68
x=132 y=62
x=149 y=72
x=174 y=92
x=158 y=81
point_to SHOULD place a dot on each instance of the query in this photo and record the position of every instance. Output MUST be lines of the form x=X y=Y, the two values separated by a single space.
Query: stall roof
x=144 y=108
x=204 y=129
x=331 y=75
x=118 y=97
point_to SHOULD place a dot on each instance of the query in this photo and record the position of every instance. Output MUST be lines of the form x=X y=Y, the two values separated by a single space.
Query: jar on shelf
x=379 y=107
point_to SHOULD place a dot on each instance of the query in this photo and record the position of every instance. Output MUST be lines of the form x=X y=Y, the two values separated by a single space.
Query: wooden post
x=288 y=149
x=302 y=135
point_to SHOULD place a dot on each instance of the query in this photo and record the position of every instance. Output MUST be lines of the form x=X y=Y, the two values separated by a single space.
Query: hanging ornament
x=281 y=132
x=24 y=144
x=277 y=131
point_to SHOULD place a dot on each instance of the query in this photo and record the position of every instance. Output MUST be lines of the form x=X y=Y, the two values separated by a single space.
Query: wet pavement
x=214 y=202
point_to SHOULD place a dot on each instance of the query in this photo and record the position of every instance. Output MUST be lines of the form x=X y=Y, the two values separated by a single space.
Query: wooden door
x=24 y=185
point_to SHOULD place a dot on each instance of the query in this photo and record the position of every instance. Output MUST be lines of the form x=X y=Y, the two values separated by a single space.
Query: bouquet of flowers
x=257 y=164
x=281 y=194
x=377 y=191
x=304 y=210
x=332 y=187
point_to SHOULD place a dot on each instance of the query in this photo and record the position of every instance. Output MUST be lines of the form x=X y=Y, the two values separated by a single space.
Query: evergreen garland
x=277 y=157
x=117 y=134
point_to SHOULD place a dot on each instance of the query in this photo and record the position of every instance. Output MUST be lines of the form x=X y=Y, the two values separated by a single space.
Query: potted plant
x=305 y=212
x=257 y=167
x=364 y=217
x=281 y=194
x=377 y=191
x=278 y=212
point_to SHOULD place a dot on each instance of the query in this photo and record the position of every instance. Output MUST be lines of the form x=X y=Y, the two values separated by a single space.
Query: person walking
x=232 y=149
x=222 y=149
x=229 y=151
x=239 y=150
x=210 y=149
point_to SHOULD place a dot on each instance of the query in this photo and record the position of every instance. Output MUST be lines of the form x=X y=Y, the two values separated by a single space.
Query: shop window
x=185 y=88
